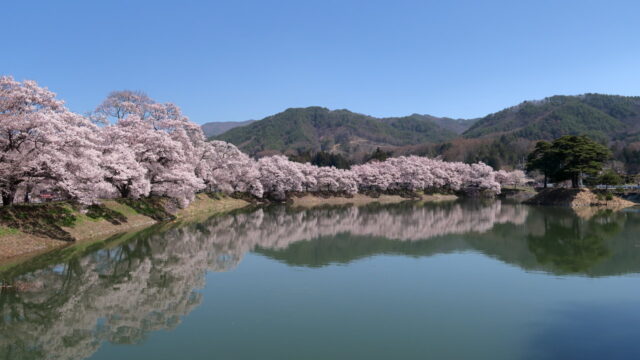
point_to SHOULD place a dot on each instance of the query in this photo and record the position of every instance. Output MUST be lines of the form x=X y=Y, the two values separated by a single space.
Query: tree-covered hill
x=603 y=117
x=501 y=139
x=298 y=130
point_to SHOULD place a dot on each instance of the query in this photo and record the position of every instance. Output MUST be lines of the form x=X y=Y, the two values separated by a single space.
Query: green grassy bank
x=30 y=229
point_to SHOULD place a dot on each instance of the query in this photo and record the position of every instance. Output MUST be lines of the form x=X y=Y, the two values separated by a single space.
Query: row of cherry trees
x=132 y=146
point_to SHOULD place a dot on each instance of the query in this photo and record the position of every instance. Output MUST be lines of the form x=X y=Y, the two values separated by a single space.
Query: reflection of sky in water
x=590 y=331
x=374 y=305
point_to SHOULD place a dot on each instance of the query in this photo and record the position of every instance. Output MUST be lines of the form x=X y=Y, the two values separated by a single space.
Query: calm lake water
x=462 y=280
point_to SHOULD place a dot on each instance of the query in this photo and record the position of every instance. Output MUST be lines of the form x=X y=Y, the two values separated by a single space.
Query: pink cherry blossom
x=143 y=148
x=42 y=141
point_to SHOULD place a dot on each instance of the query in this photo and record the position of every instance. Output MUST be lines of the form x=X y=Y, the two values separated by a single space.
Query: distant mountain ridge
x=298 y=130
x=500 y=139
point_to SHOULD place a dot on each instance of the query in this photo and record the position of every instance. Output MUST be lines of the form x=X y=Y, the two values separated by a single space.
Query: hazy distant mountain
x=458 y=126
x=216 y=128
x=297 y=130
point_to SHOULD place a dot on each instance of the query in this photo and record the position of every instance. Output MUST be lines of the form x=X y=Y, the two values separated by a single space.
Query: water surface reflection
x=121 y=290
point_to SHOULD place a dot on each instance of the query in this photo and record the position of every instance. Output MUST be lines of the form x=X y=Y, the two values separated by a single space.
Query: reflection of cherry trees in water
x=121 y=294
x=114 y=295
x=279 y=227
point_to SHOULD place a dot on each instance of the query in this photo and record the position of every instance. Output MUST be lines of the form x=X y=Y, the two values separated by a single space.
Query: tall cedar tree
x=570 y=157
x=543 y=159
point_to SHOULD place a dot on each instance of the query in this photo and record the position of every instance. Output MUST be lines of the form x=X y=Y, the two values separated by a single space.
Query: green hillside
x=502 y=139
x=298 y=130
x=603 y=117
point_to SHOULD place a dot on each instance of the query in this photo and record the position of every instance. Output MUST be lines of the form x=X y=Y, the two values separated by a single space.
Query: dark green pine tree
x=570 y=157
x=578 y=156
x=544 y=160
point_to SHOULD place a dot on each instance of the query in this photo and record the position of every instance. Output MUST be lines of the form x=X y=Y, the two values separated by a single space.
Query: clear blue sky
x=238 y=60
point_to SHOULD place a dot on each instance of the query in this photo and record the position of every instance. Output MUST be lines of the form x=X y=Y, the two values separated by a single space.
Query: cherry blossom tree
x=502 y=177
x=327 y=179
x=279 y=176
x=121 y=166
x=144 y=148
x=74 y=163
x=481 y=176
x=163 y=117
x=169 y=170
x=41 y=140
x=223 y=167
x=336 y=180
x=415 y=173
x=517 y=178
x=514 y=178
x=120 y=104
x=164 y=141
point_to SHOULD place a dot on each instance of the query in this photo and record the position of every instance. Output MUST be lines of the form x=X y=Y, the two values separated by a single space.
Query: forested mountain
x=217 y=128
x=604 y=117
x=299 y=130
x=504 y=138
x=501 y=139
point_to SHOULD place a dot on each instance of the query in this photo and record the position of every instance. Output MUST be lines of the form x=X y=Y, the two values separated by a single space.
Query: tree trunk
x=580 y=180
x=574 y=182
x=27 y=194
x=124 y=191
x=546 y=180
x=7 y=198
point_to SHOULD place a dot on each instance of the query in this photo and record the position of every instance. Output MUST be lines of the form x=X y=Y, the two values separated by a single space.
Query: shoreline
x=17 y=246
x=310 y=200
x=578 y=199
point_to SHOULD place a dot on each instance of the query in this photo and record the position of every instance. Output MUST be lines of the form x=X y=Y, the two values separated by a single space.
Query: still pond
x=458 y=280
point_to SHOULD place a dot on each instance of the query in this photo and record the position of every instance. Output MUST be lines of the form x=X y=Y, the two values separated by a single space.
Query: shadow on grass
x=44 y=220
x=152 y=207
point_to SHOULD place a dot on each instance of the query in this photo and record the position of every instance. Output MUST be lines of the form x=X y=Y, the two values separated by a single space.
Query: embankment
x=31 y=229
x=578 y=198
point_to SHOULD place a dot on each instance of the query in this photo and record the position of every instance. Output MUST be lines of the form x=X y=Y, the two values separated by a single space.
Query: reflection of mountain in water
x=120 y=293
x=553 y=240
x=558 y=241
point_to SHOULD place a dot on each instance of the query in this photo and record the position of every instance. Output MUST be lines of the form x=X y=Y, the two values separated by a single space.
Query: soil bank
x=578 y=198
